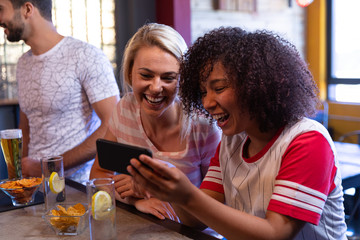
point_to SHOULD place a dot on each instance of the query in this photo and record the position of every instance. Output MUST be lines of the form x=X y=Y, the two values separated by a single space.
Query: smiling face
x=220 y=100
x=154 y=76
x=10 y=20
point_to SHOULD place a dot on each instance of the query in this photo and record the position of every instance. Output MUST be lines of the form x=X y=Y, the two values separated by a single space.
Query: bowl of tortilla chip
x=21 y=191
x=68 y=219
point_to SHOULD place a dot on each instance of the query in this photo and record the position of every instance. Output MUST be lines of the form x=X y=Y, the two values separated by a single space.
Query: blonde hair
x=152 y=34
x=167 y=39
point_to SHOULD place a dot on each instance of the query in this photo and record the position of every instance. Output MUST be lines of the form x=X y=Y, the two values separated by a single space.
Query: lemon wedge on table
x=56 y=183
x=100 y=205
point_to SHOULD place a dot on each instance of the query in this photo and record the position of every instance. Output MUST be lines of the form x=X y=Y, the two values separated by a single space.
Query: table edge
x=167 y=223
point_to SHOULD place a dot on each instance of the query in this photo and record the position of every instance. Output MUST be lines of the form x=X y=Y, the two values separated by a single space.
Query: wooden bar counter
x=27 y=222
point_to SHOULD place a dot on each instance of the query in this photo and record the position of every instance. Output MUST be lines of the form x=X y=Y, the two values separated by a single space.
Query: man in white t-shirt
x=67 y=89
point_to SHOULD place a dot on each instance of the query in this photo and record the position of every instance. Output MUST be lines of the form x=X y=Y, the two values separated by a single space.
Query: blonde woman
x=152 y=116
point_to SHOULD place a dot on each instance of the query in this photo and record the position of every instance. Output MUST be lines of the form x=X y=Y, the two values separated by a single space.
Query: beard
x=15 y=34
x=15 y=28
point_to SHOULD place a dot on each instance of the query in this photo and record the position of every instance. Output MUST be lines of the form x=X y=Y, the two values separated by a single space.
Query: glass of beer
x=11 y=144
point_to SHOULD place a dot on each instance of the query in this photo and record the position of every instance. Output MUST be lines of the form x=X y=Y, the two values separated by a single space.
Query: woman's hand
x=124 y=186
x=164 y=182
x=124 y=189
x=157 y=208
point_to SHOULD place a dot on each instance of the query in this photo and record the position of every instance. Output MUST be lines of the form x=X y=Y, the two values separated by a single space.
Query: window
x=343 y=48
x=90 y=21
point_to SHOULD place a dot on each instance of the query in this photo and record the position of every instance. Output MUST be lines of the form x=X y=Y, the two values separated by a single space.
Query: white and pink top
x=202 y=139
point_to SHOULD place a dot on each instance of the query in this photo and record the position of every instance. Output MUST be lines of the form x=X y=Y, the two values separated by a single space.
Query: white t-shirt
x=56 y=90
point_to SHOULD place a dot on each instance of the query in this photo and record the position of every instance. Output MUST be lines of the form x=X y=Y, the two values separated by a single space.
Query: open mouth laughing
x=221 y=118
x=154 y=100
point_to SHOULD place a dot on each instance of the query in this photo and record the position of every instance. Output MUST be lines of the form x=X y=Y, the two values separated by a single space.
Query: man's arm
x=79 y=154
x=96 y=170
x=24 y=126
x=87 y=149
x=29 y=167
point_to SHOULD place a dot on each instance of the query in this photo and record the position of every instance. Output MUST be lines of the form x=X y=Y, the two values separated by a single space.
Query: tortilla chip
x=76 y=210
x=62 y=211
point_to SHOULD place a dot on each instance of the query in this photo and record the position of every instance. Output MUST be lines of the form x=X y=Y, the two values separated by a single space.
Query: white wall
x=274 y=15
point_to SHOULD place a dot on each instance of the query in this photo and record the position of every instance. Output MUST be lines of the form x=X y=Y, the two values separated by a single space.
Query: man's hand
x=30 y=167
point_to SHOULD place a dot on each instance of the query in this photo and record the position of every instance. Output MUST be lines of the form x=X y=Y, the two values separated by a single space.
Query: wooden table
x=349 y=160
x=27 y=223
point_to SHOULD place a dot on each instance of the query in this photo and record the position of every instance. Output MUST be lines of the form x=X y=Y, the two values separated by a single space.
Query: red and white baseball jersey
x=296 y=174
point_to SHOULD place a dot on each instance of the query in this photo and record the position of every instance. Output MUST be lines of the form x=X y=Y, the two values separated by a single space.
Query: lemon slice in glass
x=56 y=183
x=101 y=203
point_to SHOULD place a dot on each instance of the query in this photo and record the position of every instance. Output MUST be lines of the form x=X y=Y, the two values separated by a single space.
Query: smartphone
x=116 y=156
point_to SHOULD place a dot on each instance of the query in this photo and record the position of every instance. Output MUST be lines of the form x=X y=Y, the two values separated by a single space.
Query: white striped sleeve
x=298 y=201
x=214 y=175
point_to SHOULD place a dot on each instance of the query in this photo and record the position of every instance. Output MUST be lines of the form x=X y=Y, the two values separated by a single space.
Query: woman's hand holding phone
x=164 y=182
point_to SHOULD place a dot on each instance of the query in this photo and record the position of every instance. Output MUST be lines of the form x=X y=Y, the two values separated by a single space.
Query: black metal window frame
x=330 y=41
x=10 y=52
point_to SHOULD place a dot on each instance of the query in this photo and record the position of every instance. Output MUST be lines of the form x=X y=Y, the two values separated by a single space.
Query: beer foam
x=11 y=133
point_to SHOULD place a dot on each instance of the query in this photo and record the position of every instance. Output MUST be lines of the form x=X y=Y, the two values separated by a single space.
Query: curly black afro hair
x=269 y=76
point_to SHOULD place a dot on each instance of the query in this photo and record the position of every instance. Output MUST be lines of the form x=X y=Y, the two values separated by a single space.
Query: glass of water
x=52 y=168
x=102 y=214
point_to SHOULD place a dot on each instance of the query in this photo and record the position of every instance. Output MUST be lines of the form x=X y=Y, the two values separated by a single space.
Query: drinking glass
x=102 y=214
x=52 y=169
x=11 y=144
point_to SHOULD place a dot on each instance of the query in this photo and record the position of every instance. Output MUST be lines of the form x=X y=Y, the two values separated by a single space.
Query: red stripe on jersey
x=212 y=186
x=212 y=169
x=295 y=212
x=214 y=165
x=213 y=177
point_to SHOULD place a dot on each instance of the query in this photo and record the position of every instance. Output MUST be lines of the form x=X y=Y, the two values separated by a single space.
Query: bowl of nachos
x=21 y=191
x=67 y=218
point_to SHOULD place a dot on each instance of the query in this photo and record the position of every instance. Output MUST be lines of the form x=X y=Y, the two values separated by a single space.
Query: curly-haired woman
x=275 y=169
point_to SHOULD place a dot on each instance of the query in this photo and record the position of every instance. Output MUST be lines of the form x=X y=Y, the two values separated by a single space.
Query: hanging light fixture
x=304 y=3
